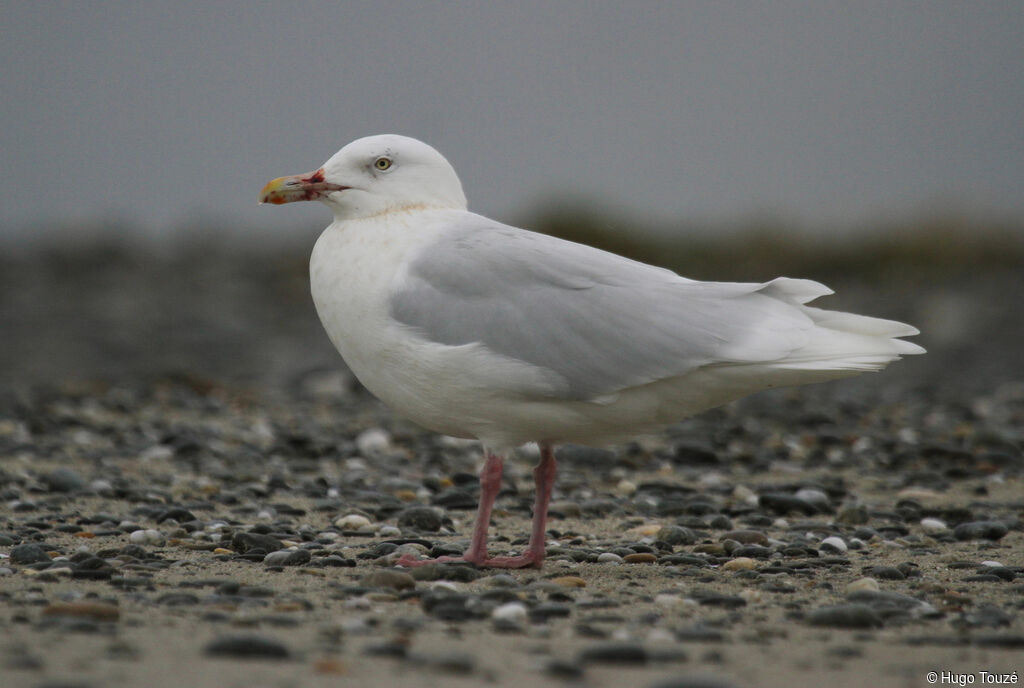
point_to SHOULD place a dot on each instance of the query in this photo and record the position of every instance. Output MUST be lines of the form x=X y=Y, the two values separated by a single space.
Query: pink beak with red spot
x=299 y=187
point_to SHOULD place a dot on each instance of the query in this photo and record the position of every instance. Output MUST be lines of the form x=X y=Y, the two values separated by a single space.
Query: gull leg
x=490 y=485
x=544 y=479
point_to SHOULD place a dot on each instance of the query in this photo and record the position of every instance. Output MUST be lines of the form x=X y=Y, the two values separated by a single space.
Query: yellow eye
x=382 y=163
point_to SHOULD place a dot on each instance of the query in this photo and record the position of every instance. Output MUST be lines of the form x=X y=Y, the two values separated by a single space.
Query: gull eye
x=382 y=163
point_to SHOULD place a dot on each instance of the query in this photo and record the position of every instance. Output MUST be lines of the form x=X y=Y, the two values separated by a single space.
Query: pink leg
x=490 y=483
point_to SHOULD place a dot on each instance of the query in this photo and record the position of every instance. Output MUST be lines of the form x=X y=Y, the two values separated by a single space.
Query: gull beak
x=299 y=187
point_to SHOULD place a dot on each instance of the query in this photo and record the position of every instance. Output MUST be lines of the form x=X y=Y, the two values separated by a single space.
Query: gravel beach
x=195 y=492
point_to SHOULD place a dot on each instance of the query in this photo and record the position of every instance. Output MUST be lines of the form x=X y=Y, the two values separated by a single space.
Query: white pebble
x=934 y=526
x=991 y=563
x=352 y=522
x=373 y=441
x=389 y=531
x=146 y=537
x=744 y=495
x=863 y=584
x=834 y=543
x=813 y=497
x=444 y=585
x=626 y=488
x=609 y=558
x=510 y=612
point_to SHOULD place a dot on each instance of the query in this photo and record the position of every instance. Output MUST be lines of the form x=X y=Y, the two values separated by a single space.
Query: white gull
x=477 y=329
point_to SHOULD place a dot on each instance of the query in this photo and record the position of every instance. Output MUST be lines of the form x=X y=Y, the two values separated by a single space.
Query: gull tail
x=840 y=343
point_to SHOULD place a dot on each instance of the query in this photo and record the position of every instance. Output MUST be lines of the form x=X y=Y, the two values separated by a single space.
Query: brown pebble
x=746 y=537
x=329 y=665
x=738 y=564
x=640 y=558
x=570 y=582
x=85 y=534
x=406 y=495
x=98 y=611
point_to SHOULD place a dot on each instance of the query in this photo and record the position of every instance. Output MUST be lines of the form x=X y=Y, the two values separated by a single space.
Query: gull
x=477 y=329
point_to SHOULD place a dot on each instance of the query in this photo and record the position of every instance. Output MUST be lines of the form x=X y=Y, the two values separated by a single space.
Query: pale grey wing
x=599 y=323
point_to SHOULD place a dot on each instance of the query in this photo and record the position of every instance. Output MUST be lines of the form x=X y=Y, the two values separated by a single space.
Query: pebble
x=815 y=497
x=676 y=535
x=640 y=558
x=510 y=615
x=247 y=647
x=64 y=480
x=288 y=557
x=746 y=537
x=613 y=653
x=28 y=554
x=146 y=537
x=885 y=573
x=783 y=504
x=626 y=488
x=866 y=583
x=934 y=526
x=609 y=558
x=373 y=441
x=739 y=564
x=980 y=530
x=353 y=522
x=245 y=542
x=845 y=616
x=833 y=544
x=420 y=518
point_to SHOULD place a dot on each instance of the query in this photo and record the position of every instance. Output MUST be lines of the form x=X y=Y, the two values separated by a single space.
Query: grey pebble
x=783 y=504
x=676 y=535
x=845 y=616
x=247 y=647
x=244 y=542
x=28 y=554
x=549 y=610
x=288 y=557
x=884 y=573
x=613 y=653
x=420 y=518
x=64 y=480
x=980 y=530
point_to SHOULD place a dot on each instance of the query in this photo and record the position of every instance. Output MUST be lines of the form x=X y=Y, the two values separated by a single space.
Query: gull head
x=372 y=176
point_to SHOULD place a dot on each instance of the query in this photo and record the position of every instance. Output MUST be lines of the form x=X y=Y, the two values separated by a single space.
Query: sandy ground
x=965 y=398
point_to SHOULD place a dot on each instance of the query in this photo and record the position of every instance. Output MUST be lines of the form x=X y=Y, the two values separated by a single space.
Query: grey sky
x=165 y=112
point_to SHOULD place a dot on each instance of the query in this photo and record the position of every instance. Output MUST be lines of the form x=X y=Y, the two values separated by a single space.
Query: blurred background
x=875 y=146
